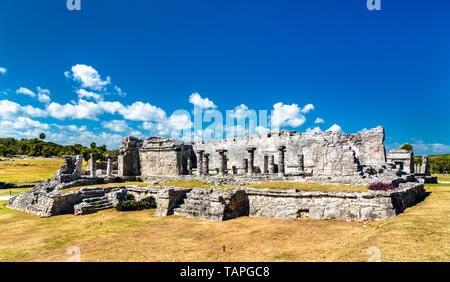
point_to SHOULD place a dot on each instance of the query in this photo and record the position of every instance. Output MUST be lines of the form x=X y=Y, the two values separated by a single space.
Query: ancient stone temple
x=402 y=159
x=282 y=153
x=164 y=156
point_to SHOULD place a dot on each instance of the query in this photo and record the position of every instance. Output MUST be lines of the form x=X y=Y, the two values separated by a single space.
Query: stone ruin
x=327 y=158
x=278 y=154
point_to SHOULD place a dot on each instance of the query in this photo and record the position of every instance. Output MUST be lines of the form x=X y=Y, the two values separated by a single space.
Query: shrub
x=130 y=197
x=133 y=205
x=380 y=186
x=128 y=205
x=307 y=175
x=147 y=203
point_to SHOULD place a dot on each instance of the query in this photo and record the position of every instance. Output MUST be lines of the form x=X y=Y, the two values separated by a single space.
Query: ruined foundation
x=224 y=204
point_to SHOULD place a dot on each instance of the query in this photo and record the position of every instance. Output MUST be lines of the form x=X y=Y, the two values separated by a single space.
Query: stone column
x=222 y=161
x=281 y=171
x=271 y=164
x=425 y=165
x=301 y=163
x=78 y=166
x=200 y=162
x=251 y=157
x=266 y=164
x=189 y=165
x=109 y=166
x=93 y=165
x=206 y=164
x=245 y=165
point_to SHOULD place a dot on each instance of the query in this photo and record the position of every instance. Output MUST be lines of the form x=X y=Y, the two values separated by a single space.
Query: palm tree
x=42 y=136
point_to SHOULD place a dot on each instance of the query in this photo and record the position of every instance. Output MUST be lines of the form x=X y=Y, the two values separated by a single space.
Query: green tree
x=42 y=136
x=407 y=147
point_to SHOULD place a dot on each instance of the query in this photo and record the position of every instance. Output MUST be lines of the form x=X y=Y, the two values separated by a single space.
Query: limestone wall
x=372 y=205
x=324 y=153
x=163 y=156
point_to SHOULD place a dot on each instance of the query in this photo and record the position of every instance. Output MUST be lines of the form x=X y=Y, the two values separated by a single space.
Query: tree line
x=439 y=164
x=10 y=147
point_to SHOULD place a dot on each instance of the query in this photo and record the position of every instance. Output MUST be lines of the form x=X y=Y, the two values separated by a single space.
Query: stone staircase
x=92 y=205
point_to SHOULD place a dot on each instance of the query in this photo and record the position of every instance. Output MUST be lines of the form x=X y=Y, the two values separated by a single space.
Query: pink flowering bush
x=380 y=186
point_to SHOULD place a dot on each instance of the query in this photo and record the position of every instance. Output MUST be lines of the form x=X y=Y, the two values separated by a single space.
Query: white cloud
x=240 y=112
x=88 y=77
x=24 y=123
x=172 y=126
x=335 y=128
x=25 y=91
x=72 y=128
x=9 y=109
x=3 y=70
x=261 y=130
x=112 y=141
x=286 y=115
x=82 y=93
x=34 y=112
x=111 y=107
x=140 y=111
x=306 y=109
x=179 y=122
x=420 y=148
x=319 y=120
x=314 y=130
x=43 y=95
x=119 y=91
x=197 y=100
x=82 y=110
x=116 y=125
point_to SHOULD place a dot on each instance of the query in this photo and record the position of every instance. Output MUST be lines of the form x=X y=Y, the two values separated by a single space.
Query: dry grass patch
x=272 y=185
x=421 y=233
x=442 y=177
x=140 y=184
x=186 y=184
x=16 y=170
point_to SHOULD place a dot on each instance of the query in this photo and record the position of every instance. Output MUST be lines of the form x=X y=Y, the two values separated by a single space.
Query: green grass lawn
x=12 y=192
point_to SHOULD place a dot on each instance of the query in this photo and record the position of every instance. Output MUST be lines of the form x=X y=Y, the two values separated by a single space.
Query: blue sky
x=123 y=67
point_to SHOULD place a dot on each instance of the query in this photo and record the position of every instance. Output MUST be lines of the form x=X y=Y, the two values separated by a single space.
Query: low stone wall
x=372 y=205
x=140 y=193
x=44 y=204
x=59 y=202
x=214 y=204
